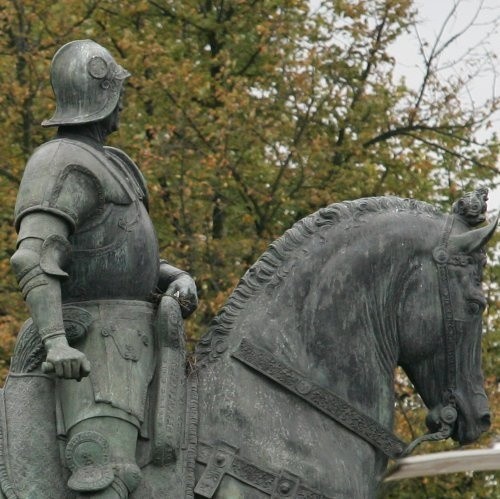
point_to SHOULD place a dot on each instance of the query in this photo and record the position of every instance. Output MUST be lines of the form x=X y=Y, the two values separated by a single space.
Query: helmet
x=86 y=81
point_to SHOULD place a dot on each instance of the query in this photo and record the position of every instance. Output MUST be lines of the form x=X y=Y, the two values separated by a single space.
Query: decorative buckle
x=440 y=255
x=218 y=465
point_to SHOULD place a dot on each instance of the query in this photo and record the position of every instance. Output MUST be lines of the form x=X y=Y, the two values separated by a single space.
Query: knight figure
x=87 y=254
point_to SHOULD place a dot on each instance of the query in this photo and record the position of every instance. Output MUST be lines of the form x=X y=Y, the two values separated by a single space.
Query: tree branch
x=4 y=172
x=451 y=152
x=413 y=128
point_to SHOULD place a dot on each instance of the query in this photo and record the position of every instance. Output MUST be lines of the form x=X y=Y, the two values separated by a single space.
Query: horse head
x=444 y=363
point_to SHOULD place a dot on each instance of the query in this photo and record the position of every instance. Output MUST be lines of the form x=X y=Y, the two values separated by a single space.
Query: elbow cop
x=33 y=263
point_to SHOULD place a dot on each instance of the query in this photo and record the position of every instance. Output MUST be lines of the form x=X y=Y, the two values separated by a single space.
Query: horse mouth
x=467 y=432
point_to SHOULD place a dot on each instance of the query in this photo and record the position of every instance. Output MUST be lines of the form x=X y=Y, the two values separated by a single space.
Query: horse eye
x=475 y=307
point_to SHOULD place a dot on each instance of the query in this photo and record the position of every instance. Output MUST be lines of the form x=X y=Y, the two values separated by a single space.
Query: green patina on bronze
x=291 y=394
x=88 y=265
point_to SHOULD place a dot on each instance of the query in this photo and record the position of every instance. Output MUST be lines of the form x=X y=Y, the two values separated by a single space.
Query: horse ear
x=473 y=240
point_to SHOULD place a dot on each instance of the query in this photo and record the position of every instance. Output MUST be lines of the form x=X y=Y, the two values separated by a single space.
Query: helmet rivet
x=97 y=67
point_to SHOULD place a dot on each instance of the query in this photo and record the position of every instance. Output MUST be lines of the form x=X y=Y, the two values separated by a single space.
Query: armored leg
x=101 y=456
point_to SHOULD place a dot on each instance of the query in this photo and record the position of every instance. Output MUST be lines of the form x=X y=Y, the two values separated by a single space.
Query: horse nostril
x=485 y=421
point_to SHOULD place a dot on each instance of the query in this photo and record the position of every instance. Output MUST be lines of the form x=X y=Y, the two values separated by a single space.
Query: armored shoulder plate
x=71 y=179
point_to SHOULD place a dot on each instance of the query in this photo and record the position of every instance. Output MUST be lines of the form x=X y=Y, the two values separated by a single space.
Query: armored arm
x=179 y=284
x=38 y=264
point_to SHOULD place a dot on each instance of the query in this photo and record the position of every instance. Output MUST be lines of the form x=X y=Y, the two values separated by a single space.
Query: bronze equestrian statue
x=291 y=395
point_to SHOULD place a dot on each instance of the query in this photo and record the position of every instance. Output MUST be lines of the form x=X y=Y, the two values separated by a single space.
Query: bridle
x=448 y=413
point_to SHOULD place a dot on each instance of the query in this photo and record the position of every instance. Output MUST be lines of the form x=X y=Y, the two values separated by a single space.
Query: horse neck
x=357 y=353
x=327 y=304
x=354 y=336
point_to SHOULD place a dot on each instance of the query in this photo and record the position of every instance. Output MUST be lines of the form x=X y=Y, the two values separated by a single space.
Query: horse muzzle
x=466 y=434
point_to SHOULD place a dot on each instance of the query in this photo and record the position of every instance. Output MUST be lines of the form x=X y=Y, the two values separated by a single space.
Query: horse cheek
x=419 y=339
x=421 y=344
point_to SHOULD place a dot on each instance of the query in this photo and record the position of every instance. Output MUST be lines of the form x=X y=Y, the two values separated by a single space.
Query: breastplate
x=115 y=255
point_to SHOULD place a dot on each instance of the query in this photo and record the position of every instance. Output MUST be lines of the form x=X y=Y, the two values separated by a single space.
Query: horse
x=327 y=313
x=290 y=394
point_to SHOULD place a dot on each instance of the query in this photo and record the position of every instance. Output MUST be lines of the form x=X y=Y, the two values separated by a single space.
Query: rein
x=342 y=411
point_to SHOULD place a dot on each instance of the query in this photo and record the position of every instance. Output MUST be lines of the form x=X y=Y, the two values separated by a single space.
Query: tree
x=257 y=113
x=247 y=115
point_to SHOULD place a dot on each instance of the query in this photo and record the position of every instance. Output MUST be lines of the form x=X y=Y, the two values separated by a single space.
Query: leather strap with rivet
x=221 y=459
x=320 y=398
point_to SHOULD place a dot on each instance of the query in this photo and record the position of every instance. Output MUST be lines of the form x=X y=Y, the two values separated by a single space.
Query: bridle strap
x=441 y=258
x=321 y=399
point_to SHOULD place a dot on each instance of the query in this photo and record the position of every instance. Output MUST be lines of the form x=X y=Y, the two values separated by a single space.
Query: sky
x=482 y=36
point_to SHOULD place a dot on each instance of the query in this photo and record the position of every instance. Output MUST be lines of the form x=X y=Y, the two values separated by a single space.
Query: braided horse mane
x=273 y=265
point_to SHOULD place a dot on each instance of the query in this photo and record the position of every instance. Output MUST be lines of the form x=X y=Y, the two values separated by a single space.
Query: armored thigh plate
x=120 y=346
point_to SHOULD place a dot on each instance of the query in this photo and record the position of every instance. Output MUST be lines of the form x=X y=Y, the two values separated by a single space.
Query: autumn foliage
x=245 y=116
